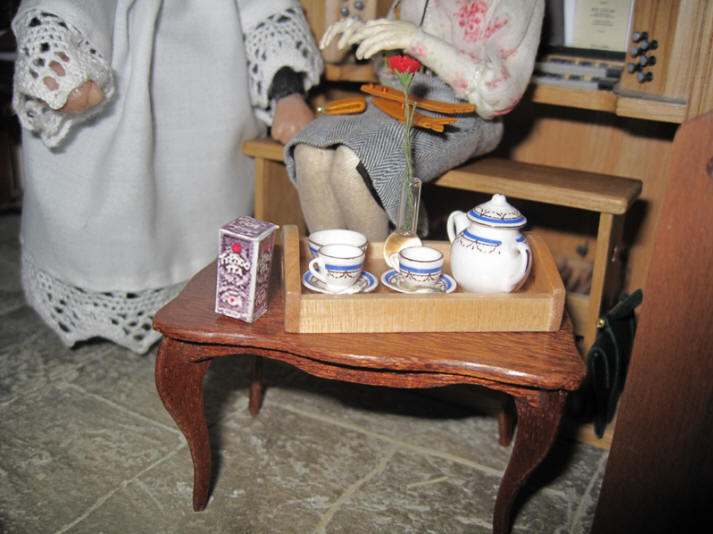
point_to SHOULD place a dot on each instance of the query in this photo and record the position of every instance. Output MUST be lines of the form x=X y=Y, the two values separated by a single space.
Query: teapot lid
x=498 y=213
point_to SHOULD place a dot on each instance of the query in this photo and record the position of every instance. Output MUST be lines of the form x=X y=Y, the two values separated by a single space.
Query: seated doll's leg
x=359 y=209
x=319 y=205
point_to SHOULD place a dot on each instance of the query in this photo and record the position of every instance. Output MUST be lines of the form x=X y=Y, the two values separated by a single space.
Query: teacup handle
x=457 y=221
x=393 y=261
x=317 y=269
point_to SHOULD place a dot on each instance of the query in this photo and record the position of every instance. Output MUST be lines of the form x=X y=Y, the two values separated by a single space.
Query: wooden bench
x=276 y=200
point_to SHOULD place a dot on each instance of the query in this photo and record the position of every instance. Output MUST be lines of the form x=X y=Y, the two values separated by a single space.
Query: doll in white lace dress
x=134 y=113
x=347 y=169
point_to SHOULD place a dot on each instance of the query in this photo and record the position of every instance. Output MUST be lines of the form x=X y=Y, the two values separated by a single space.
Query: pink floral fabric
x=484 y=49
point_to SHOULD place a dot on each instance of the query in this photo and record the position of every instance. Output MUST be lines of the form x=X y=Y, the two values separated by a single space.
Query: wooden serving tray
x=537 y=306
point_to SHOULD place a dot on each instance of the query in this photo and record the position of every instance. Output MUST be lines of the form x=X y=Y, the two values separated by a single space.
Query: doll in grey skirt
x=348 y=168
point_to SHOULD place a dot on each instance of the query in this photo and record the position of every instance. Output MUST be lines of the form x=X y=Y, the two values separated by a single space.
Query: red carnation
x=404 y=64
x=404 y=67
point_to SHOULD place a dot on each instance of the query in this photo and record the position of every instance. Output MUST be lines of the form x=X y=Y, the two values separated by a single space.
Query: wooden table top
x=540 y=360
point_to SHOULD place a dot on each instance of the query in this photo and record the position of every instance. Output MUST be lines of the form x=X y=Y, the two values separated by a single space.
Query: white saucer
x=391 y=279
x=367 y=282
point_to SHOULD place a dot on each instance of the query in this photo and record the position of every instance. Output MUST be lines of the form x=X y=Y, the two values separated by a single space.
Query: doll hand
x=80 y=98
x=291 y=115
x=83 y=97
x=383 y=34
x=346 y=27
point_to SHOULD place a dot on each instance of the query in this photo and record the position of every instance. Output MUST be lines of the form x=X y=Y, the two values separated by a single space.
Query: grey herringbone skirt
x=377 y=140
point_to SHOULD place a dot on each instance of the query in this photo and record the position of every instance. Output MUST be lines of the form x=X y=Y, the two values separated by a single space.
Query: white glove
x=382 y=34
x=346 y=27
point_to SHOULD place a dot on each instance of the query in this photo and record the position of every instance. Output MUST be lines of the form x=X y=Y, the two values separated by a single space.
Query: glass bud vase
x=406 y=232
x=409 y=205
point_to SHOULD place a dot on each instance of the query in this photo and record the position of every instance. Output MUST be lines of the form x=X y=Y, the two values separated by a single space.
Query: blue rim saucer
x=391 y=280
x=367 y=282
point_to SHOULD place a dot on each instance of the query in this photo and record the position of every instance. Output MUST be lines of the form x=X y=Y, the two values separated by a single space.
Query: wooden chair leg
x=605 y=278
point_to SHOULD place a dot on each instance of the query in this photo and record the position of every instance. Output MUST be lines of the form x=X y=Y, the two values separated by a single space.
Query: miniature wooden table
x=538 y=369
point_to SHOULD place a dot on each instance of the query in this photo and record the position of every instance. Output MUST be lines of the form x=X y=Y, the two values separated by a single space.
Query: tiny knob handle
x=643 y=77
x=646 y=45
x=647 y=61
x=639 y=36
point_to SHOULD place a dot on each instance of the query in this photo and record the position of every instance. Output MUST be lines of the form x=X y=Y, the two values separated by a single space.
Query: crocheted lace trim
x=47 y=44
x=76 y=314
x=280 y=40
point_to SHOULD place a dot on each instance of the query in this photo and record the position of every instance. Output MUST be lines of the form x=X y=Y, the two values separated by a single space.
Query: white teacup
x=336 y=236
x=418 y=267
x=337 y=266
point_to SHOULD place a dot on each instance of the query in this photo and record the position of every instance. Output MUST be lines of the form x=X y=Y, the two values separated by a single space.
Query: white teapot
x=488 y=252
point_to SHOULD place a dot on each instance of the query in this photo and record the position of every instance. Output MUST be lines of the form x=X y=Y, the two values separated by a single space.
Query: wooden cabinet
x=676 y=39
x=677 y=86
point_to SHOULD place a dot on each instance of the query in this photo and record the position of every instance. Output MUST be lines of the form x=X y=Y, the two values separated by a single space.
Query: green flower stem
x=409 y=112
x=410 y=215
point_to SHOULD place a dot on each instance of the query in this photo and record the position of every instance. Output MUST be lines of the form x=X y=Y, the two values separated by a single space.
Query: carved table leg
x=179 y=380
x=506 y=421
x=255 y=386
x=537 y=425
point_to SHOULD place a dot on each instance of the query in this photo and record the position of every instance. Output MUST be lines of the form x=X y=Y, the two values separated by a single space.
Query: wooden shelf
x=641 y=108
x=573 y=98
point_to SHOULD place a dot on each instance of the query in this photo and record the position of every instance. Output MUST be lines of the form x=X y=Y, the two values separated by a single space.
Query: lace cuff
x=281 y=40
x=46 y=41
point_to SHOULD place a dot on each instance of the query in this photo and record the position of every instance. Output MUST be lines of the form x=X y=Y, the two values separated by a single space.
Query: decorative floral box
x=244 y=263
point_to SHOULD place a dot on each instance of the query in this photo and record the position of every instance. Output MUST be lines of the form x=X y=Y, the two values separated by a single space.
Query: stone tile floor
x=86 y=446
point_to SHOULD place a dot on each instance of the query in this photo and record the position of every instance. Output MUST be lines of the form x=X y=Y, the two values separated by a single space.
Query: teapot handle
x=457 y=222
x=520 y=275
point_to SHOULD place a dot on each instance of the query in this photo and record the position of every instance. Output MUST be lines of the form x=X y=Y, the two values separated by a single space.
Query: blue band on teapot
x=474 y=237
x=510 y=222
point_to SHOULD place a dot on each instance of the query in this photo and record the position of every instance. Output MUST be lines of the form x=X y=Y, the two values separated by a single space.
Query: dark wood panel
x=659 y=476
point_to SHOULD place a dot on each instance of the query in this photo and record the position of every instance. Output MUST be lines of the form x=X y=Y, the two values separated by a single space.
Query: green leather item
x=608 y=359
